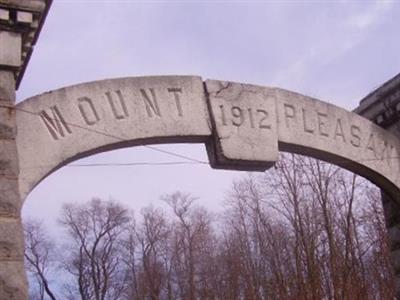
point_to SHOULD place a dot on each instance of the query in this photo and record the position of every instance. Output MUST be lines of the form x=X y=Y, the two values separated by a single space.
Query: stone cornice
x=382 y=106
x=24 y=17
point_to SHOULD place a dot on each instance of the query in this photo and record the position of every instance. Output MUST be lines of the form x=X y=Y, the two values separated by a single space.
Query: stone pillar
x=20 y=24
x=13 y=283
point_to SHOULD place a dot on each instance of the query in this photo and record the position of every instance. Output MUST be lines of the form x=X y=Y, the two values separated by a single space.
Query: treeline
x=304 y=230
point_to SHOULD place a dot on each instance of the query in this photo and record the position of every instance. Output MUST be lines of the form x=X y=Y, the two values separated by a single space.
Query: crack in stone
x=223 y=88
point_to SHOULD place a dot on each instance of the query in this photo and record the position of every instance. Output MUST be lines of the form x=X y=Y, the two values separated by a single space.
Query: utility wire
x=186 y=163
x=193 y=160
x=111 y=135
x=136 y=164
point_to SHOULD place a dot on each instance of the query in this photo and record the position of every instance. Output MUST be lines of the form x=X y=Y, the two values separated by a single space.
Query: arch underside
x=243 y=126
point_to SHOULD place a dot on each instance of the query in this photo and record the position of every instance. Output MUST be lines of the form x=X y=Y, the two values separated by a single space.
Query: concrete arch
x=57 y=127
x=244 y=126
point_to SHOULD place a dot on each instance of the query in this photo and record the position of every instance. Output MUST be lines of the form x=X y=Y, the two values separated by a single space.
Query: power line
x=175 y=154
x=171 y=153
x=112 y=136
x=137 y=164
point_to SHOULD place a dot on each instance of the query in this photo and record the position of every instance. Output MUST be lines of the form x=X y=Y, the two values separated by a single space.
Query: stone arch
x=70 y=123
x=244 y=126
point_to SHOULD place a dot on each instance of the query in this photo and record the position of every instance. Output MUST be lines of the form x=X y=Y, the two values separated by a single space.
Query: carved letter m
x=55 y=124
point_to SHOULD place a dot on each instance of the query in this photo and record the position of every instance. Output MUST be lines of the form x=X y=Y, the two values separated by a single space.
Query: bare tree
x=95 y=230
x=304 y=230
x=152 y=237
x=40 y=257
x=193 y=244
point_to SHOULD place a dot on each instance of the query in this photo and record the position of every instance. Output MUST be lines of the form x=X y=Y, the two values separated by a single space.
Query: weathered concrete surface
x=20 y=23
x=10 y=202
x=299 y=124
x=57 y=127
x=10 y=56
x=11 y=242
x=245 y=127
x=319 y=129
x=13 y=284
x=248 y=123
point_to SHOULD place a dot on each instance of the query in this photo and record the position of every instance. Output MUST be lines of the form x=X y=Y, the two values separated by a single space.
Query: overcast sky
x=337 y=52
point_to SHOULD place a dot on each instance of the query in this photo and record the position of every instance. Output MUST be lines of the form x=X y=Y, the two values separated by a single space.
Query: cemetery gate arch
x=243 y=126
